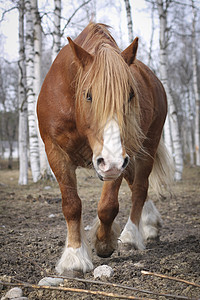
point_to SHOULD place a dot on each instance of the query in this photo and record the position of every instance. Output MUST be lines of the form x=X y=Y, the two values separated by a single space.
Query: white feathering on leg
x=150 y=221
x=131 y=235
x=78 y=259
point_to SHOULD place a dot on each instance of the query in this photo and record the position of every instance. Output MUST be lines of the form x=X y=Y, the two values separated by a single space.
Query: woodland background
x=172 y=52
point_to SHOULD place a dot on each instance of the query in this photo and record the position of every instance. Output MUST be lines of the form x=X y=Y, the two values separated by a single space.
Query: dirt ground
x=33 y=233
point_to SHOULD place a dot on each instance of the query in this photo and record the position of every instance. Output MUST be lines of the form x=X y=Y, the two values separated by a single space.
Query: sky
x=140 y=15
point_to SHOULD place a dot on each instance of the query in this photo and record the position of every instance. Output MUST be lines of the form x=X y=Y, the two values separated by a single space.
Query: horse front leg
x=105 y=232
x=144 y=219
x=77 y=254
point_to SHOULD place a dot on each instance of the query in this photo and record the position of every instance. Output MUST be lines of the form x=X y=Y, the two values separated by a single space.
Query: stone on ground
x=103 y=271
x=50 y=281
x=14 y=294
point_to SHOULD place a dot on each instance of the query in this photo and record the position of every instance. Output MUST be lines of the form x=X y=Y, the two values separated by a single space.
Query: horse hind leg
x=134 y=236
x=150 y=221
x=161 y=176
x=105 y=231
x=144 y=219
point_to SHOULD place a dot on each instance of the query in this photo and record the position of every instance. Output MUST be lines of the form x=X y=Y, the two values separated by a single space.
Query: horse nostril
x=126 y=161
x=100 y=160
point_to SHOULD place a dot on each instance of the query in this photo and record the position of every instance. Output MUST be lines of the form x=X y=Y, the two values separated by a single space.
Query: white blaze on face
x=112 y=146
x=110 y=162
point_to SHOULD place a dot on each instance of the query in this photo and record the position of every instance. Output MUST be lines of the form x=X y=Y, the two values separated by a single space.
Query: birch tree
x=37 y=47
x=56 y=30
x=172 y=135
x=152 y=34
x=33 y=137
x=23 y=126
x=129 y=20
x=195 y=87
x=37 y=80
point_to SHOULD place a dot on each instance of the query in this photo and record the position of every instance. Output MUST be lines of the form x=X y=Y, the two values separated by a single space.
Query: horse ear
x=129 y=53
x=81 y=56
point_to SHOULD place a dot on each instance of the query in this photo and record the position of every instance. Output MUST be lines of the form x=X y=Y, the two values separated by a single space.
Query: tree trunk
x=152 y=34
x=56 y=32
x=129 y=20
x=37 y=47
x=37 y=81
x=33 y=137
x=195 y=87
x=176 y=148
x=10 y=158
x=189 y=132
x=23 y=126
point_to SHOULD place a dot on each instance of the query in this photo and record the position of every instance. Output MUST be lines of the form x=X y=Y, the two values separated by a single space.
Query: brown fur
x=72 y=127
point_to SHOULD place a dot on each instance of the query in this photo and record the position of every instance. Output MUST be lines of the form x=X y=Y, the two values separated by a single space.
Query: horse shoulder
x=56 y=102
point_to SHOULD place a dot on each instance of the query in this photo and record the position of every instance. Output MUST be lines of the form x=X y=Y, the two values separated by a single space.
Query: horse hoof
x=103 y=249
x=105 y=254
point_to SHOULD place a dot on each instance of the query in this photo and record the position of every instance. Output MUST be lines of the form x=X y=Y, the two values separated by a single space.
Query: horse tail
x=162 y=175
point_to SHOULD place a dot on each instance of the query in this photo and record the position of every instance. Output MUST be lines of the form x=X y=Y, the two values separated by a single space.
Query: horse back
x=152 y=98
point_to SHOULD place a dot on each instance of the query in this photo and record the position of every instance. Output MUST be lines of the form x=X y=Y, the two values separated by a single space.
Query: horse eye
x=89 y=97
x=131 y=95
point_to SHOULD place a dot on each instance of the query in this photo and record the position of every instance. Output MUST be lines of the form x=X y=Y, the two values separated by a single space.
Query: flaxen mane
x=109 y=81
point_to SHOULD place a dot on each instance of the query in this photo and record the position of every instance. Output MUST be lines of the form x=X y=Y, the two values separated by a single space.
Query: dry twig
x=106 y=284
x=73 y=290
x=122 y=287
x=171 y=278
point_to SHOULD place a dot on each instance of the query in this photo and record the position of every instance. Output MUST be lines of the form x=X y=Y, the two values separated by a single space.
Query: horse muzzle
x=107 y=170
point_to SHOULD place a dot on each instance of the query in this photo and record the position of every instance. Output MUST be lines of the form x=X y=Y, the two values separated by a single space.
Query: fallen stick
x=171 y=278
x=121 y=286
x=110 y=284
x=73 y=290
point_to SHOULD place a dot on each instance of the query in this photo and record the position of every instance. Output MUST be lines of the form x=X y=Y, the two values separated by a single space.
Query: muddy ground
x=33 y=233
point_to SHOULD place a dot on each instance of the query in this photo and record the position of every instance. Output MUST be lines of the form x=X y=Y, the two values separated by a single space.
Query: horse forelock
x=109 y=81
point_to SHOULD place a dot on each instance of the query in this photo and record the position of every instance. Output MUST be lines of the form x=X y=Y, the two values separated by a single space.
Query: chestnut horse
x=104 y=107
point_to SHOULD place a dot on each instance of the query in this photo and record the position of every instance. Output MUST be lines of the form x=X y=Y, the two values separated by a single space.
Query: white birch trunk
x=23 y=118
x=189 y=129
x=37 y=47
x=195 y=87
x=176 y=147
x=129 y=20
x=152 y=34
x=33 y=137
x=56 y=32
x=37 y=81
x=167 y=136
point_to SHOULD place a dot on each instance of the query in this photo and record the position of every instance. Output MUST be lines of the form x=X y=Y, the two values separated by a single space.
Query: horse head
x=105 y=96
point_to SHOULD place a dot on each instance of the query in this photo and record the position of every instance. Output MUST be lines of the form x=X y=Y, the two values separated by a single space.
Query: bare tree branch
x=73 y=290
x=7 y=11
x=74 y=13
